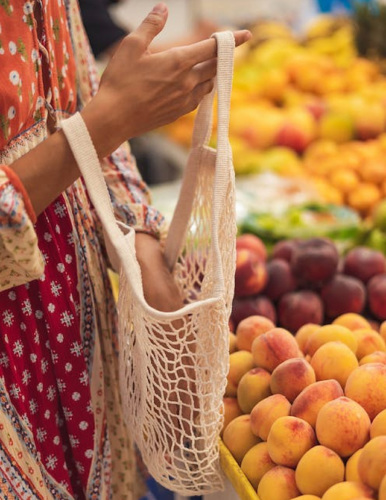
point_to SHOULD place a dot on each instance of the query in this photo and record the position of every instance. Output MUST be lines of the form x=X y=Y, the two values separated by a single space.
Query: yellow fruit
x=372 y=462
x=344 y=179
x=364 y=197
x=378 y=425
x=352 y=473
x=256 y=463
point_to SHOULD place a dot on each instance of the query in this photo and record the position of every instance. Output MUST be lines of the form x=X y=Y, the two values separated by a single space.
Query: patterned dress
x=62 y=434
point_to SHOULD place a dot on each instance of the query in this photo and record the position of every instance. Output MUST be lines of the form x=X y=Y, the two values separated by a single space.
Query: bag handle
x=201 y=135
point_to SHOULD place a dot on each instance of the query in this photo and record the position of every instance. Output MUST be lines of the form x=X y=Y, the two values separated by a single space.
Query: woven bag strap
x=201 y=135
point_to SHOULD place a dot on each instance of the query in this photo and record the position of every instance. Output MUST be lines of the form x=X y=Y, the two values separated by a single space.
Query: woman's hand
x=141 y=91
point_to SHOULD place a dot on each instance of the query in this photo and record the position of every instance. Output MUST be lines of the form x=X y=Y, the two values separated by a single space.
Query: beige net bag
x=173 y=365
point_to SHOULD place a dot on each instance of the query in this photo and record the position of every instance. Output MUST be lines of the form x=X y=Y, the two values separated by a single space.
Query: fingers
x=151 y=26
x=207 y=49
x=205 y=71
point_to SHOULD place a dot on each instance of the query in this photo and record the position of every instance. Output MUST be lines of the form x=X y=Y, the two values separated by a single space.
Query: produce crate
x=235 y=475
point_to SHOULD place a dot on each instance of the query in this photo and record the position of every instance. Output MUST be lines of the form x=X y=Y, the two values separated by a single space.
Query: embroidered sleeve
x=130 y=194
x=20 y=258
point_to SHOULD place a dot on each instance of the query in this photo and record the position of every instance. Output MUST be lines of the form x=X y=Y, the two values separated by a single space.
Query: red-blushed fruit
x=314 y=261
x=364 y=263
x=250 y=328
x=376 y=290
x=280 y=279
x=251 y=273
x=252 y=242
x=284 y=249
x=248 y=306
x=296 y=309
x=343 y=294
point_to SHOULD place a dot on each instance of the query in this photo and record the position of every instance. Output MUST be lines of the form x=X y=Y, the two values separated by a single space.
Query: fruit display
x=307 y=281
x=305 y=410
x=310 y=106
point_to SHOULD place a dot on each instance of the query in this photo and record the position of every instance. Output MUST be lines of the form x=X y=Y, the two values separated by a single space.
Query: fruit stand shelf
x=235 y=475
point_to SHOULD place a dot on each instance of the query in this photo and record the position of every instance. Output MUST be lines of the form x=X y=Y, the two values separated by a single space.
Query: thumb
x=152 y=25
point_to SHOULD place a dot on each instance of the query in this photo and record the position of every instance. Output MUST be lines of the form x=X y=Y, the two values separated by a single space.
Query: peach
x=367 y=386
x=232 y=342
x=273 y=347
x=319 y=469
x=252 y=242
x=278 y=483
x=266 y=412
x=364 y=263
x=382 y=330
x=348 y=490
x=307 y=497
x=280 y=279
x=253 y=387
x=256 y=463
x=343 y=426
x=352 y=321
x=251 y=274
x=231 y=410
x=284 y=249
x=291 y=377
x=288 y=440
x=378 y=425
x=352 y=473
x=251 y=327
x=372 y=462
x=238 y=437
x=331 y=333
x=334 y=360
x=314 y=260
x=343 y=294
x=298 y=308
x=376 y=291
x=309 y=402
x=240 y=362
x=249 y=306
x=374 y=357
x=369 y=341
x=304 y=333
x=382 y=490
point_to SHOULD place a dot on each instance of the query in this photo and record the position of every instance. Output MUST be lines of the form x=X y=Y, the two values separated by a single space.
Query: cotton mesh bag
x=173 y=365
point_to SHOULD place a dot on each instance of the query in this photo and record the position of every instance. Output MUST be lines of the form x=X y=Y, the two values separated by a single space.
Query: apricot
x=352 y=473
x=278 y=483
x=318 y=469
x=382 y=490
x=367 y=386
x=256 y=463
x=239 y=363
x=329 y=333
x=343 y=294
x=304 y=333
x=273 y=347
x=378 y=425
x=232 y=342
x=251 y=327
x=298 y=308
x=288 y=440
x=348 y=490
x=309 y=402
x=352 y=321
x=343 y=426
x=382 y=330
x=238 y=437
x=374 y=357
x=231 y=410
x=372 y=462
x=307 y=497
x=266 y=412
x=369 y=341
x=334 y=360
x=253 y=387
x=291 y=377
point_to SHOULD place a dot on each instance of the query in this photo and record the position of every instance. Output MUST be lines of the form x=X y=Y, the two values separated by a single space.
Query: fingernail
x=160 y=8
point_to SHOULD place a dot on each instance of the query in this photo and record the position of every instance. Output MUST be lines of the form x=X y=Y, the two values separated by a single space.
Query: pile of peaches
x=307 y=281
x=305 y=410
